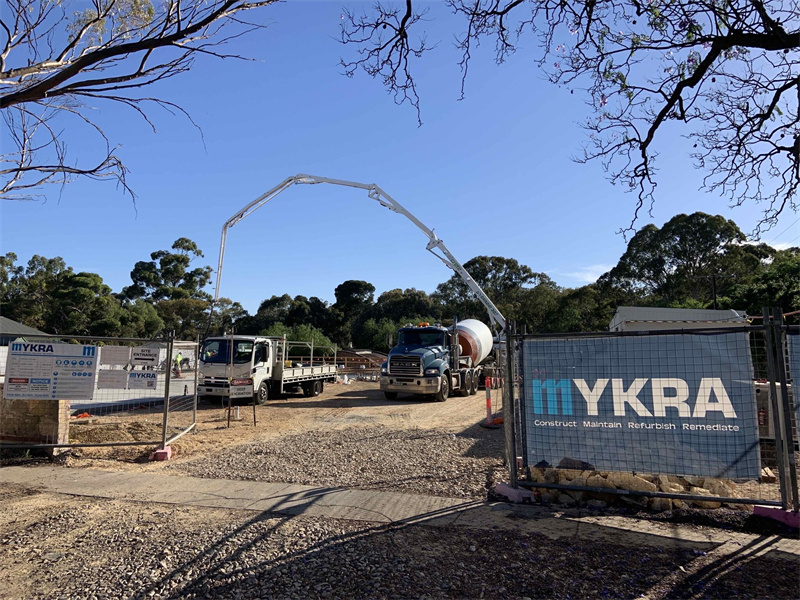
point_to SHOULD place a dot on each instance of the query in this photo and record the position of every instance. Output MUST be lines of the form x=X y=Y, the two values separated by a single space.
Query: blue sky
x=491 y=174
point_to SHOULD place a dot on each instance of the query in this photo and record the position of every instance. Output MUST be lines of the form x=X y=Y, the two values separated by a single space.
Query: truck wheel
x=444 y=389
x=390 y=395
x=262 y=395
x=463 y=378
x=312 y=389
x=474 y=387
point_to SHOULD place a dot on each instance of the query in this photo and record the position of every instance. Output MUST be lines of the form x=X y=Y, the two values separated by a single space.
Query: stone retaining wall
x=35 y=421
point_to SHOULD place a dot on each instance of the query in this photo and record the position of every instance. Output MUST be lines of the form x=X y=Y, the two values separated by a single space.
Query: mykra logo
x=19 y=347
x=667 y=393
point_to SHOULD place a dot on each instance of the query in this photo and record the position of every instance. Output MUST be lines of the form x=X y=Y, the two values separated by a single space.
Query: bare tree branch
x=57 y=55
x=727 y=71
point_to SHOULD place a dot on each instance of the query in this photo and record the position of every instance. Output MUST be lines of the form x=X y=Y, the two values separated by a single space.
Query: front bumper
x=410 y=385
x=215 y=390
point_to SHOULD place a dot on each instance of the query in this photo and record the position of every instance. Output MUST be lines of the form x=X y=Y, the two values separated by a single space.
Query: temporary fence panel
x=115 y=391
x=672 y=406
x=181 y=409
x=793 y=344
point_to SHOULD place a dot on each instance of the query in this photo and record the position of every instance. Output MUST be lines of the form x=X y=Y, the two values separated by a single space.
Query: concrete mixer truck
x=438 y=361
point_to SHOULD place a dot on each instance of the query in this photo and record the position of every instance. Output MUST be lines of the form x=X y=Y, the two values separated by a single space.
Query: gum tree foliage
x=724 y=72
x=778 y=284
x=402 y=305
x=61 y=59
x=375 y=334
x=323 y=346
x=170 y=283
x=48 y=295
x=676 y=262
x=504 y=280
x=167 y=276
x=353 y=299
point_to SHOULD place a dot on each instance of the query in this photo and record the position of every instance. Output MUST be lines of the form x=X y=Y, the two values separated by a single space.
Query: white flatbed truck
x=257 y=367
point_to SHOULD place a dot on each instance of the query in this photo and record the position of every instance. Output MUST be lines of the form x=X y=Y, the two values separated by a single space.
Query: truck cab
x=237 y=367
x=247 y=366
x=436 y=360
x=420 y=363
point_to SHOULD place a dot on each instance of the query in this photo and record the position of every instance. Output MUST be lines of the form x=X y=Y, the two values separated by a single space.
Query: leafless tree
x=61 y=57
x=725 y=70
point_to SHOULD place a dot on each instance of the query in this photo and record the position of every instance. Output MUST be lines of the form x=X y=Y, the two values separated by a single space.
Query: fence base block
x=787 y=517
x=514 y=495
x=162 y=454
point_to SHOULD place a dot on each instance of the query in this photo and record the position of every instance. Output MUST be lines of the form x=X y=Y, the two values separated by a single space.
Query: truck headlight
x=200 y=376
x=431 y=371
x=384 y=371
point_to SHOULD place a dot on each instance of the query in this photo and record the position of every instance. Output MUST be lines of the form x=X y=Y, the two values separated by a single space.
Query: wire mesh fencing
x=664 y=418
x=79 y=391
x=180 y=413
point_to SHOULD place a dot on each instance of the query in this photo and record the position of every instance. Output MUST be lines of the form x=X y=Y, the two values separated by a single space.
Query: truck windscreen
x=416 y=337
x=218 y=351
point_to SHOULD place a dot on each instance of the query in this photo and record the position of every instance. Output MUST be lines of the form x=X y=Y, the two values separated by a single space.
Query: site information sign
x=108 y=379
x=662 y=404
x=241 y=388
x=142 y=380
x=147 y=357
x=115 y=355
x=44 y=371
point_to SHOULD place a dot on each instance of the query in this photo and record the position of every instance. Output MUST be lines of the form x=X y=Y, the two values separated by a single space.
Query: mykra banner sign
x=44 y=371
x=670 y=404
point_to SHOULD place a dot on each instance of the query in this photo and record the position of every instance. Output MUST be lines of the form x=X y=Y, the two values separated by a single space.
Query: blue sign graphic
x=665 y=404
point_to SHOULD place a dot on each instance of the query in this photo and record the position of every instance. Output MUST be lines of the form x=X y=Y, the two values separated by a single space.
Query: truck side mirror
x=264 y=353
x=389 y=340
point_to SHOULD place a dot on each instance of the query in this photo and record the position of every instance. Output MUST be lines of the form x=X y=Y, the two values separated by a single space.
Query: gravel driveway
x=56 y=547
x=420 y=461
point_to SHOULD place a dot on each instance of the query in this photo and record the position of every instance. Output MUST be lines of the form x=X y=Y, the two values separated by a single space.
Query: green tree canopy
x=685 y=258
x=167 y=276
x=502 y=279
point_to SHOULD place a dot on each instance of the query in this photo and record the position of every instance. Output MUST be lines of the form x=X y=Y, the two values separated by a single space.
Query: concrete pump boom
x=384 y=199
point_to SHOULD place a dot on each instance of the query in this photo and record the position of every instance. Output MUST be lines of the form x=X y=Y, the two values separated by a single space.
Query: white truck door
x=262 y=362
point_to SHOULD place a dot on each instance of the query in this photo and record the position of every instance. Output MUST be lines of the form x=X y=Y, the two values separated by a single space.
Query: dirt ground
x=55 y=546
x=338 y=407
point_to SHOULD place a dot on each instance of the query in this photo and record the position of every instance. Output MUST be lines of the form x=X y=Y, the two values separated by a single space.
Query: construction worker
x=177 y=368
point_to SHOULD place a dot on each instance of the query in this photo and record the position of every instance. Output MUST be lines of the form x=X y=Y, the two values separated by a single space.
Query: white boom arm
x=376 y=193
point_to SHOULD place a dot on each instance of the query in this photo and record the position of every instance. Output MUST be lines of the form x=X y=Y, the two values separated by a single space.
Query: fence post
x=786 y=413
x=509 y=412
x=777 y=413
x=167 y=380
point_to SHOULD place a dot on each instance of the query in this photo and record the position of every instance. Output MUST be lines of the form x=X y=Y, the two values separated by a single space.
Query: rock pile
x=604 y=480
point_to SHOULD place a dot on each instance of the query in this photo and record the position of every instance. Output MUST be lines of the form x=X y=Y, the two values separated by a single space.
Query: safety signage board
x=44 y=371
x=115 y=355
x=108 y=379
x=242 y=391
x=142 y=380
x=144 y=356
x=793 y=339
